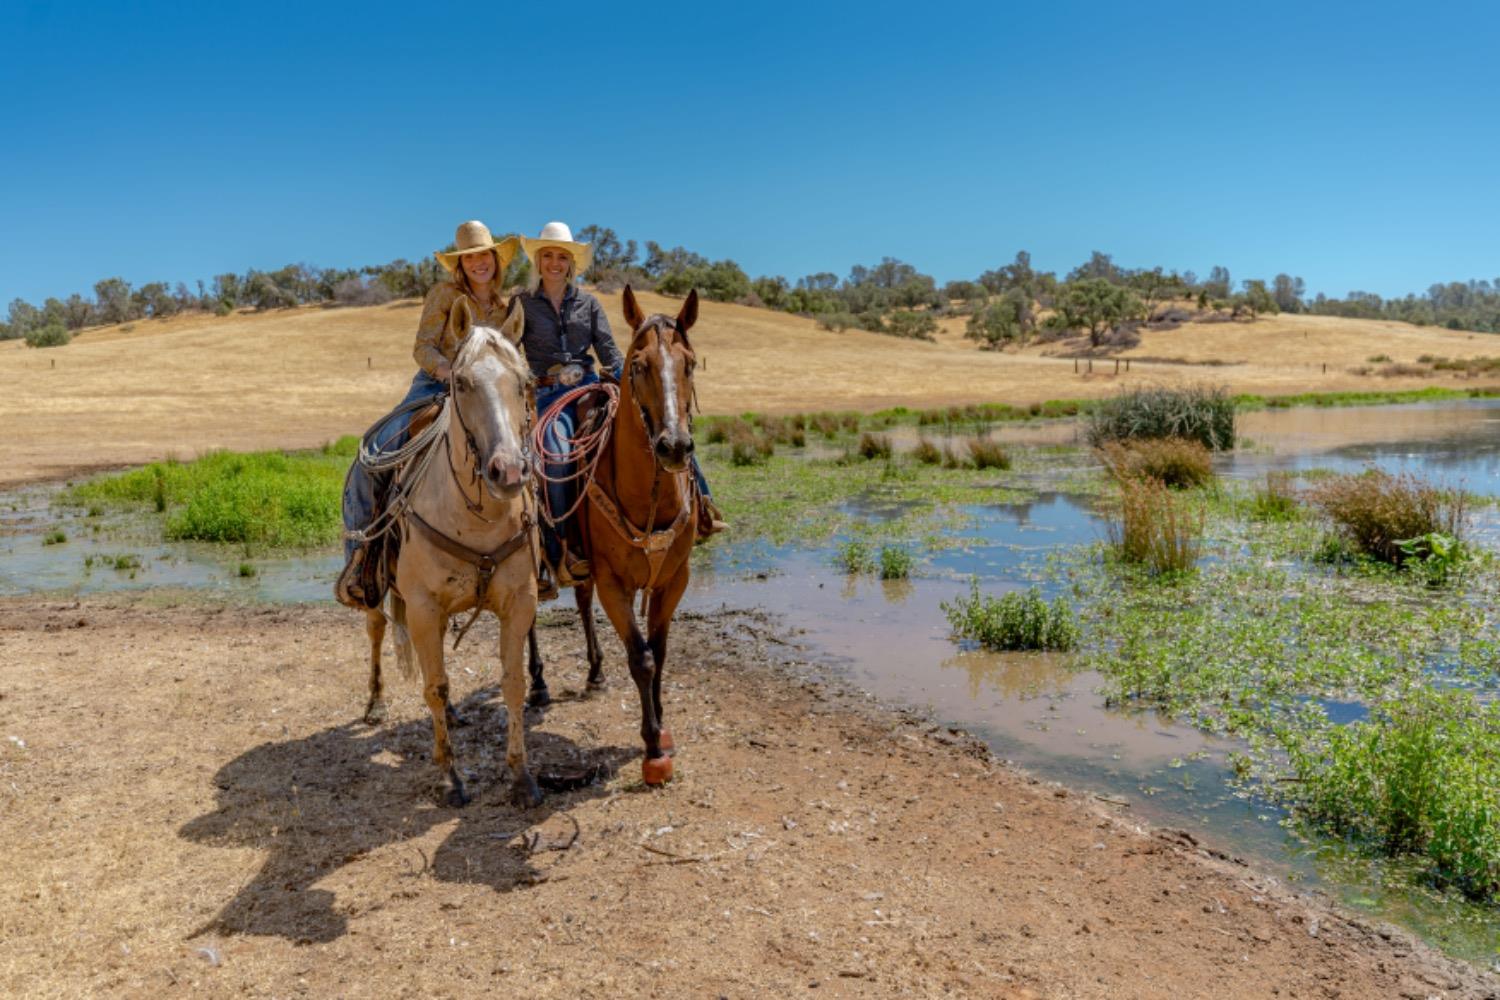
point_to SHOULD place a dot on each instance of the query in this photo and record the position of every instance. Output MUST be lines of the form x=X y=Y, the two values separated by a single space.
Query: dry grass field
x=295 y=378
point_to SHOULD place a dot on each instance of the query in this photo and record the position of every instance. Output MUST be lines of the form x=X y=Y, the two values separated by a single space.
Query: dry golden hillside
x=300 y=377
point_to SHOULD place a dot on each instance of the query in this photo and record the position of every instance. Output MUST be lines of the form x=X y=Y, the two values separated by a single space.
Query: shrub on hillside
x=913 y=325
x=52 y=334
x=1198 y=413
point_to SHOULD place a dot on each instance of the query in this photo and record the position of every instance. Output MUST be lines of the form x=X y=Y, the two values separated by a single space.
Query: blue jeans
x=360 y=486
x=560 y=496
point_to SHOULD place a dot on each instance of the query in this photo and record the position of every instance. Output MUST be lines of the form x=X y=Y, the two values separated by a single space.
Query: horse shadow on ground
x=320 y=803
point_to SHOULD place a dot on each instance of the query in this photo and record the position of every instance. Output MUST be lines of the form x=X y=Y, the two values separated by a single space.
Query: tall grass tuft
x=988 y=454
x=874 y=445
x=927 y=453
x=1177 y=462
x=895 y=562
x=1157 y=529
x=1418 y=778
x=1014 y=621
x=1199 y=413
x=1276 y=499
x=1378 y=512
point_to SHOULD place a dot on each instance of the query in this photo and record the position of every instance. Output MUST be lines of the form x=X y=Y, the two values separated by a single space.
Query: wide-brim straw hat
x=474 y=237
x=557 y=234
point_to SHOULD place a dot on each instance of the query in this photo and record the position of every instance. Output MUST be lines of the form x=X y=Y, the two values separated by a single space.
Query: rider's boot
x=710 y=521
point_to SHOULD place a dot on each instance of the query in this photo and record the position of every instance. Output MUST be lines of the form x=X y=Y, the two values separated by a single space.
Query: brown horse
x=468 y=540
x=640 y=516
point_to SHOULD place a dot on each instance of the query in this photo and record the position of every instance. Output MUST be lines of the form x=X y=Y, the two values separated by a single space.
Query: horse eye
x=462 y=384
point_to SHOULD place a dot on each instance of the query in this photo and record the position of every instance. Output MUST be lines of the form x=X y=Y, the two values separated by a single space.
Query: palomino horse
x=468 y=540
x=641 y=516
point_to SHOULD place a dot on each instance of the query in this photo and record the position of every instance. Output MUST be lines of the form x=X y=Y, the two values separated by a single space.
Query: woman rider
x=562 y=324
x=477 y=265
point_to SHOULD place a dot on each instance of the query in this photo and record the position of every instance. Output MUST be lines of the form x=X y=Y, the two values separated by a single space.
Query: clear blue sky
x=1354 y=144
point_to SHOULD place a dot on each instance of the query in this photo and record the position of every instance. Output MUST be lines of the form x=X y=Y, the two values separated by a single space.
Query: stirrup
x=546 y=589
x=710 y=521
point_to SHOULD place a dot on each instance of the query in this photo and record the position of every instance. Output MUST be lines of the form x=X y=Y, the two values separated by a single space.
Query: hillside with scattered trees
x=1007 y=306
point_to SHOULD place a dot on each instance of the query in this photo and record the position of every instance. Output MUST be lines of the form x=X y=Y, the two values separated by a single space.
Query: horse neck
x=632 y=470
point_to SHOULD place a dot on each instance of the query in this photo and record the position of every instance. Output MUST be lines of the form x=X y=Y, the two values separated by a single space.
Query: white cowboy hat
x=557 y=234
x=474 y=237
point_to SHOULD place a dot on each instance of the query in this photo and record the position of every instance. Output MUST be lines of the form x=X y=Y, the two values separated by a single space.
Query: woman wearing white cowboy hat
x=477 y=265
x=562 y=324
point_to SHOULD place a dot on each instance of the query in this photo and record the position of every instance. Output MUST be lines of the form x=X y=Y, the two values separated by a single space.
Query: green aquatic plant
x=1378 y=513
x=1197 y=413
x=1014 y=621
x=895 y=562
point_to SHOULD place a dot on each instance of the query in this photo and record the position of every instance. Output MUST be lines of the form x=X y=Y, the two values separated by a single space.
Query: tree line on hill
x=1008 y=305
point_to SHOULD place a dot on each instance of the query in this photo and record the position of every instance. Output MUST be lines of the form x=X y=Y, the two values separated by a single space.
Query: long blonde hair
x=497 y=283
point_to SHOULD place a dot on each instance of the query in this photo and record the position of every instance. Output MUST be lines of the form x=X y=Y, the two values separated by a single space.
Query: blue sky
x=1352 y=144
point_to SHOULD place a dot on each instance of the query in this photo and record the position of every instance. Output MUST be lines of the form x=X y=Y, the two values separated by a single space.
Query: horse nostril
x=690 y=446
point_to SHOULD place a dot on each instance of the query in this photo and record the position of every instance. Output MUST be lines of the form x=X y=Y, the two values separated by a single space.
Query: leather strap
x=485 y=562
x=655 y=544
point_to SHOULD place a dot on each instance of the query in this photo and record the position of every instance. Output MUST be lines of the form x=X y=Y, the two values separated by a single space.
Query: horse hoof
x=539 y=698
x=457 y=797
x=524 y=792
x=375 y=713
x=656 y=770
x=597 y=684
x=664 y=740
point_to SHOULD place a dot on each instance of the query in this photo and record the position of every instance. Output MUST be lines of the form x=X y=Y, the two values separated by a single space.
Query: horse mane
x=481 y=338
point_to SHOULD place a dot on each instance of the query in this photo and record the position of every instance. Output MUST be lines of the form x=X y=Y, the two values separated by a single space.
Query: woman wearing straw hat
x=563 y=323
x=477 y=265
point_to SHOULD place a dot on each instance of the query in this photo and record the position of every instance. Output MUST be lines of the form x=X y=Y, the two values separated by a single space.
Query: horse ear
x=460 y=319
x=633 y=315
x=689 y=314
x=515 y=321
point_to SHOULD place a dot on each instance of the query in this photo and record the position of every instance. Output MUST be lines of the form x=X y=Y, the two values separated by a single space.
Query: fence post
x=1117 y=366
x=1127 y=366
x=1325 y=368
x=1091 y=366
x=1075 y=366
x=368 y=363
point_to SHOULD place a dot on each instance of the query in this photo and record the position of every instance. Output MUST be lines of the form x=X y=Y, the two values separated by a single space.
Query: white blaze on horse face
x=668 y=384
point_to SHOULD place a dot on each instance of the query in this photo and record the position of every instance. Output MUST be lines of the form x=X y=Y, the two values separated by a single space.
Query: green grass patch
x=55 y=537
x=270 y=498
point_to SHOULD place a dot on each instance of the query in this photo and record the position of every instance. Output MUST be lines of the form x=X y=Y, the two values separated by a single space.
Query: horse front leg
x=425 y=621
x=519 y=610
x=658 y=623
x=583 y=594
x=540 y=696
x=615 y=599
x=375 y=708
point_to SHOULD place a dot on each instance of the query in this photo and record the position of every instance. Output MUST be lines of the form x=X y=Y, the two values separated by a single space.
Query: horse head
x=659 y=373
x=489 y=385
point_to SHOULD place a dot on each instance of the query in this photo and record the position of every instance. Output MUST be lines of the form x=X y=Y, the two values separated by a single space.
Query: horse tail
x=404 y=657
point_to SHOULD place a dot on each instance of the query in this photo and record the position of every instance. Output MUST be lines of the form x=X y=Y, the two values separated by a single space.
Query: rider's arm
x=610 y=358
x=428 y=350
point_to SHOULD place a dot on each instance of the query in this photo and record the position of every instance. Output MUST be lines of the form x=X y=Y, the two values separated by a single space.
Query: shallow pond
x=891 y=637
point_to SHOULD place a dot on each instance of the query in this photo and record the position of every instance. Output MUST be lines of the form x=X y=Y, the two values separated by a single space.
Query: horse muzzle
x=504 y=478
x=673 y=450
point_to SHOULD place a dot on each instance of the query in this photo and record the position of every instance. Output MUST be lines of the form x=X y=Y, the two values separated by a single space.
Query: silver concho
x=570 y=375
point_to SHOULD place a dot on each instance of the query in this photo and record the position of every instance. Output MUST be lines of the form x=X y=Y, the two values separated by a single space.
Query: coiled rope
x=585 y=449
x=416 y=454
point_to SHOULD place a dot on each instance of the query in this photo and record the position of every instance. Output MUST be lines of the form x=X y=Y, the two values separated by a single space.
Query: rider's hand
x=444 y=371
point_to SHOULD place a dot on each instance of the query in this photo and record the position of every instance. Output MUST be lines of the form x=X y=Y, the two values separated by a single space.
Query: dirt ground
x=189 y=807
x=300 y=377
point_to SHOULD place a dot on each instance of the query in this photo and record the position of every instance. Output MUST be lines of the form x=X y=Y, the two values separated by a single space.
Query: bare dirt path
x=189 y=808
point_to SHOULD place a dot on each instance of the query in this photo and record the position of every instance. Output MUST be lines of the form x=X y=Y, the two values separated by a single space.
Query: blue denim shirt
x=554 y=338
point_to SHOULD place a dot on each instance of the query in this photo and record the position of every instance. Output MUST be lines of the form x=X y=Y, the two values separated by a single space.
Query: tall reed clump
x=988 y=454
x=1418 y=778
x=1157 y=529
x=874 y=445
x=748 y=446
x=1015 y=621
x=1395 y=519
x=1180 y=463
x=927 y=453
x=1197 y=413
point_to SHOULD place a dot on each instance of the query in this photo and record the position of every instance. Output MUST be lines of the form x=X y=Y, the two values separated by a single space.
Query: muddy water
x=891 y=638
